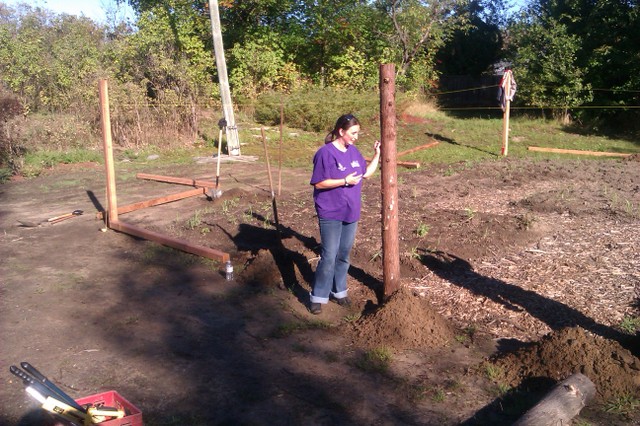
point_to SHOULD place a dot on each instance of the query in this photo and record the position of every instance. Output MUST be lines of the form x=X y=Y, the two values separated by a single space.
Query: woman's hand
x=353 y=179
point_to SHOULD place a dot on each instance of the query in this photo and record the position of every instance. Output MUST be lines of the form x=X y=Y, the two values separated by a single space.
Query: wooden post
x=273 y=194
x=175 y=243
x=507 y=110
x=280 y=149
x=177 y=180
x=388 y=151
x=561 y=404
x=112 y=204
x=578 y=152
x=233 y=142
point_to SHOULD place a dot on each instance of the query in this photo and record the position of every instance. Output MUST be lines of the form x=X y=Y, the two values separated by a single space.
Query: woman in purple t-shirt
x=338 y=169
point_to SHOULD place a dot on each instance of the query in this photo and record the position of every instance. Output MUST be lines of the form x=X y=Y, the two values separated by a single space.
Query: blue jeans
x=331 y=274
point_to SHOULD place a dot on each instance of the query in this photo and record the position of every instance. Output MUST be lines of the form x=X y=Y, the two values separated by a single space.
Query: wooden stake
x=273 y=195
x=507 y=110
x=105 y=120
x=418 y=148
x=280 y=150
x=158 y=201
x=575 y=151
x=407 y=164
x=179 y=181
x=171 y=242
x=390 y=243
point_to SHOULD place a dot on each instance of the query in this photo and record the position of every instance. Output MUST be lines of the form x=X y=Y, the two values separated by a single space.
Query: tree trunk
x=561 y=404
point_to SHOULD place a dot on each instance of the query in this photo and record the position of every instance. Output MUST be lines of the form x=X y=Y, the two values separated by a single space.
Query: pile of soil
x=405 y=321
x=613 y=369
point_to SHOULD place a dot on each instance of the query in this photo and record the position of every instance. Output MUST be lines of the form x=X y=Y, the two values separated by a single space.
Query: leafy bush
x=9 y=149
x=316 y=109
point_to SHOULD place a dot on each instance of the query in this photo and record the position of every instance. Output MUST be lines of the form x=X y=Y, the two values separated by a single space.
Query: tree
x=48 y=60
x=259 y=65
x=545 y=65
x=607 y=36
x=474 y=49
x=421 y=27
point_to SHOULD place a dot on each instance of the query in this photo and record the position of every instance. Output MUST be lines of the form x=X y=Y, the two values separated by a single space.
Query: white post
x=233 y=141
x=507 y=111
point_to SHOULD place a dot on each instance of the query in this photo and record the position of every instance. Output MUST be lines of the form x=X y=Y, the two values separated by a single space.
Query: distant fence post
x=507 y=110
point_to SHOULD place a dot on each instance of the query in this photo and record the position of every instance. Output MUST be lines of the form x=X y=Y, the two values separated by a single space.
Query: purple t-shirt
x=341 y=203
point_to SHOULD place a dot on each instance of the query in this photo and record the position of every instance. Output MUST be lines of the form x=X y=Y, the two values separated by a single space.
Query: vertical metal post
x=233 y=141
x=388 y=151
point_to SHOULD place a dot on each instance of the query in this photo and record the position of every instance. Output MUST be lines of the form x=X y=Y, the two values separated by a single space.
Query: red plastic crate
x=133 y=416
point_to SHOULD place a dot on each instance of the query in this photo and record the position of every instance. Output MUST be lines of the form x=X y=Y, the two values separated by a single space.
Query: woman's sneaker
x=345 y=302
x=315 y=308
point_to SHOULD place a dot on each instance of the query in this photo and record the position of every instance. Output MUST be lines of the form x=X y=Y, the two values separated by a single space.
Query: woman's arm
x=332 y=183
x=373 y=165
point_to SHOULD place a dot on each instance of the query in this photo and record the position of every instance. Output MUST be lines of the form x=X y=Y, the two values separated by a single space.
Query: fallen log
x=578 y=152
x=561 y=404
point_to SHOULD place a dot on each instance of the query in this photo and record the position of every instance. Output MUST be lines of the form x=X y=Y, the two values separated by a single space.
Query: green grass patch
x=36 y=162
x=289 y=328
x=377 y=360
x=630 y=324
x=624 y=405
x=476 y=139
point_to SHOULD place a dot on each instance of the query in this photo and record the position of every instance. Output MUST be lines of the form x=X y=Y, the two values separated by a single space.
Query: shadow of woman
x=255 y=238
x=555 y=314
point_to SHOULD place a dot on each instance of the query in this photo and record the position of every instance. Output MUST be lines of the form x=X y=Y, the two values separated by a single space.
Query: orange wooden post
x=112 y=203
x=388 y=151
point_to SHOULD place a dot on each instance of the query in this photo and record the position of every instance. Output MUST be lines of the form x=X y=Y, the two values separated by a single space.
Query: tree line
x=566 y=55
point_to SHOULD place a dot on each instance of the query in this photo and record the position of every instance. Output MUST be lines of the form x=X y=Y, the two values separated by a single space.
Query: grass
x=493 y=372
x=422 y=230
x=34 y=163
x=289 y=328
x=463 y=142
x=376 y=360
x=630 y=324
x=624 y=405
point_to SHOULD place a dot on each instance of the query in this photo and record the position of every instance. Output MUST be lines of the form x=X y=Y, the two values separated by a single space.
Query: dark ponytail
x=344 y=122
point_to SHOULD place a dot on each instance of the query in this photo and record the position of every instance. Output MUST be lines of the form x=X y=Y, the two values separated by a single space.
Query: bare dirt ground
x=515 y=274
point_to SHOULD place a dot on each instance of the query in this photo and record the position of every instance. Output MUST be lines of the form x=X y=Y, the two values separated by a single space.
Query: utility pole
x=233 y=141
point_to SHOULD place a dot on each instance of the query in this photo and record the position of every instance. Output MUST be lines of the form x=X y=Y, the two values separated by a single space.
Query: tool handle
x=26 y=379
x=53 y=219
x=66 y=215
x=52 y=387
x=29 y=381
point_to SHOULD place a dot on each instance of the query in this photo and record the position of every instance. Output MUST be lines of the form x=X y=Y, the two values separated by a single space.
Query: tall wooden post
x=388 y=151
x=506 y=113
x=233 y=141
x=112 y=204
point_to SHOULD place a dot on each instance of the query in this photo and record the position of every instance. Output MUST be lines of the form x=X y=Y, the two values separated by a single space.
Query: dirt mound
x=405 y=321
x=613 y=369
